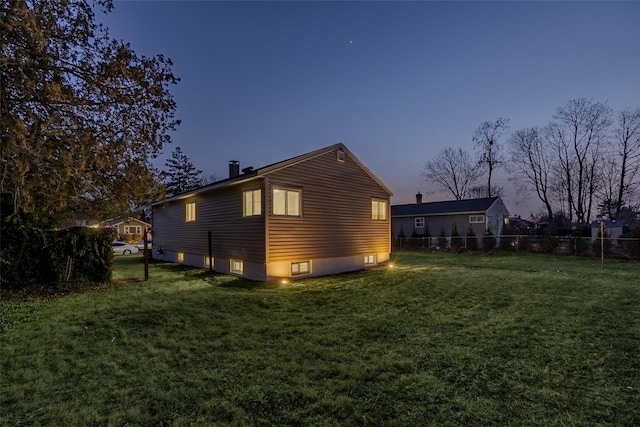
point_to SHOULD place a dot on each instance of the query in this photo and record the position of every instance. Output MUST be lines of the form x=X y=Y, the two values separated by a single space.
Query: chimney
x=418 y=198
x=234 y=168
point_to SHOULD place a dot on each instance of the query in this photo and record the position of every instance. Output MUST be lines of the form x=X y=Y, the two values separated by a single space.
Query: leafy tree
x=453 y=171
x=181 y=175
x=82 y=115
x=487 y=145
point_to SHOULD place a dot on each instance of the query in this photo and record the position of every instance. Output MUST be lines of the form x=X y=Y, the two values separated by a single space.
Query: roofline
x=274 y=167
x=439 y=214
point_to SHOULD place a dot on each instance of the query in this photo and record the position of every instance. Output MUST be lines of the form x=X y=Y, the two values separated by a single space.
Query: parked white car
x=123 y=248
x=140 y=244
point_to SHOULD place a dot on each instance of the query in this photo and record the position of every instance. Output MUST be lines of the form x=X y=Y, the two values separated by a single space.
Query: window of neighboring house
x=132 y=229
x=300 y=267
x=476 y=219
x=378 y=209
x=419 y=222
x=208 y=261
x=252 y=203
x=190 y=212
x=236 y=266
x=180 y=256
x=286 y=202
x=370 y=259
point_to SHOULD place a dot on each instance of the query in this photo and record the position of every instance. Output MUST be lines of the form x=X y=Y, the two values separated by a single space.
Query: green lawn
x=440 y=339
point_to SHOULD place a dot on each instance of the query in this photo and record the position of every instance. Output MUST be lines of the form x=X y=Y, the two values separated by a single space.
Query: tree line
x=586 y=160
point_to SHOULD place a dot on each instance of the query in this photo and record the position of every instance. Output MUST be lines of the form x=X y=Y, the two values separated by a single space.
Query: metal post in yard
x=210 y=253
x=145 y=255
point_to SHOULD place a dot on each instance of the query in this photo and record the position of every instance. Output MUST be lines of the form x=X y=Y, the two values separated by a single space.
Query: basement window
x=208 y=261
x=300 y=267
x=370 y=259
x=236 y=266
x=180 y=256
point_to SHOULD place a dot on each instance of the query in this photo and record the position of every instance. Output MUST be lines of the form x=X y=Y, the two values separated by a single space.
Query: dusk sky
x=396 y=82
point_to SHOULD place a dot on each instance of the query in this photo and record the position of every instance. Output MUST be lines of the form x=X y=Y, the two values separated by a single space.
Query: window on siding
x=286 y=202
x=476 y=219
x=132 y=229
x=190 y=212
x=370 y=259
x=341 y=155
x=180 y=256
x=378 y=209
x=208 y=261
x=419 y=222
x=236 y=266
x=300 y=267
x=252 y=203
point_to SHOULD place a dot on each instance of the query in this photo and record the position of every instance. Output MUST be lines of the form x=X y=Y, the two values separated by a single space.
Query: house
x=612 y=229
x=489 y=214
x=319 y=213
x=129 y=229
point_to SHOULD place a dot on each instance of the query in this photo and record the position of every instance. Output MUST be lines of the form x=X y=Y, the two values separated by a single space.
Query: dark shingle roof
x=441 y=208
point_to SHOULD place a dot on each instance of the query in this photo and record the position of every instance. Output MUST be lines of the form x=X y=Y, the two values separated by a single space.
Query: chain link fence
x=578 y=246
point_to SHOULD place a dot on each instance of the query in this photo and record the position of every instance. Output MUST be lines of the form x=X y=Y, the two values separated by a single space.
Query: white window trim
x=233 y=261
x=476 y=219
x=378 y=210
x=416 y=220
x=371 y=259
x=299 y=264
x=255 y=203
x=190 y=211
x=286 y=202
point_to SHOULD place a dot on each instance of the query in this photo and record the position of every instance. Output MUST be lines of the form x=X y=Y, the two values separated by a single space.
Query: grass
x=441 y=339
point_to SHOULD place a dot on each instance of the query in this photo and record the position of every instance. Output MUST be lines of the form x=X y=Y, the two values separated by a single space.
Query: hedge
x=46 y=258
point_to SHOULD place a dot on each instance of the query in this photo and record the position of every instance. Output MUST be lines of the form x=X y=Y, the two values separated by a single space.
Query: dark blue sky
x=396 y=82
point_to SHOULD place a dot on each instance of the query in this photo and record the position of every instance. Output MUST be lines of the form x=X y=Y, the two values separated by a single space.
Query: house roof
x=449 y=207
x=117 y=221
x=265 y=170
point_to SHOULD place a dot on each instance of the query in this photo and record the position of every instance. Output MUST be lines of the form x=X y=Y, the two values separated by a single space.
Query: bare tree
x=487 y=145
x=454 y=171
x=627 y=139
x=532 y=159
x=577 y=132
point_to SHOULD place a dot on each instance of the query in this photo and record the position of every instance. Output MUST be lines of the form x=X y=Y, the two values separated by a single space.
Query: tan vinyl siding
x=219 y=211
x=335 y=219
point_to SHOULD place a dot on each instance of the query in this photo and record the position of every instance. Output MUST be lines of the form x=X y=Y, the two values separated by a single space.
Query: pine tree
x=181 y=175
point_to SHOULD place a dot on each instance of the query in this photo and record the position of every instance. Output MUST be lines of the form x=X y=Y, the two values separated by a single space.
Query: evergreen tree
x=181 y=175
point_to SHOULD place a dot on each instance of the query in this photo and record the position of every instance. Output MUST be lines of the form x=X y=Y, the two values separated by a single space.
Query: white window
x=378 y=209
x=300 y=267
x=419 y=222
x=132 y=229
x=476 y=219
x=341 y=155
x=180 y=256
x=286 y=202
x=370 y=259
x=236 y=266
x=208 y=261
x=252 y=203
x=190 y=212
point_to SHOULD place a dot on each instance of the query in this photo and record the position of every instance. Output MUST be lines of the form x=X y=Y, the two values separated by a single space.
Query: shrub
x=472 y=239
x=488 y=241
x=456 y=240
x=442 y=240
x=37 y=257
